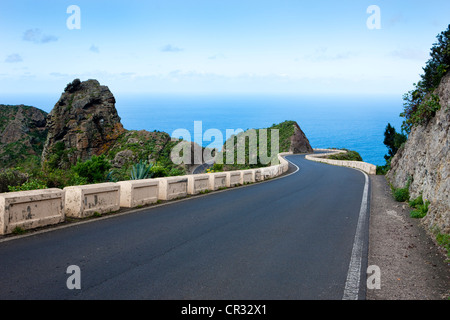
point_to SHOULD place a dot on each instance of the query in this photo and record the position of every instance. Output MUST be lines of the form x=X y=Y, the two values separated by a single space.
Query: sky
x=212 y=46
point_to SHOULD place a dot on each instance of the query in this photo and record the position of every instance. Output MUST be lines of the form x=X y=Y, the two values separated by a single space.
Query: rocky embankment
x=22 y=133
x=425 y=161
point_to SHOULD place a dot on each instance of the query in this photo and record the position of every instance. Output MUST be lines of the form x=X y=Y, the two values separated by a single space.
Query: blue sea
x=352 y=122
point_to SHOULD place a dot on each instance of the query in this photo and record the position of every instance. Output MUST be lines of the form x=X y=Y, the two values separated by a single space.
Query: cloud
x=94 y=48
x=12 y=58
x=217 y=56
x=36 y=36
x=48 y=38
x=409 y=54
x=171 y=48
x=322 y=54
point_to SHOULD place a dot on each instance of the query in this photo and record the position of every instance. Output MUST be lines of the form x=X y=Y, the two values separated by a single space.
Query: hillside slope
x=291 y=139
x=22 y=133
x=425 y=161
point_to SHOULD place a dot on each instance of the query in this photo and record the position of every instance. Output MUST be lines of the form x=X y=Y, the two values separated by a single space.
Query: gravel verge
x=412 y=266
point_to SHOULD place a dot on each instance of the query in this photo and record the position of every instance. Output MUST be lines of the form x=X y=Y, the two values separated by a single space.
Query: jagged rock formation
x=22 y=133
x=84 y=122
x=425 y=158
x=299 y=141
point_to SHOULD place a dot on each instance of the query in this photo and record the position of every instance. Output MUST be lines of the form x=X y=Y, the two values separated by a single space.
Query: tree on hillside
x=420 y=104
x=393 y=141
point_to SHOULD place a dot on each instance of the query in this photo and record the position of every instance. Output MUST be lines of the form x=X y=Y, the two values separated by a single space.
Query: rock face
x=425 y=158
x=299 y=141
x=22 y=133
x=84 y=122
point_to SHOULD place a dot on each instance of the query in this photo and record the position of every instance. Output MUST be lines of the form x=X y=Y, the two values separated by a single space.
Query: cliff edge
x=425 y=161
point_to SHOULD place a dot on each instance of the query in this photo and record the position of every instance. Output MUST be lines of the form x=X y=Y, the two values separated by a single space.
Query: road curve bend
x=289 y=238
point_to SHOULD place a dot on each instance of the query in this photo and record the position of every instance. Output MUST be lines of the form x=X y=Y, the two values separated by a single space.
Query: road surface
x=289 y=238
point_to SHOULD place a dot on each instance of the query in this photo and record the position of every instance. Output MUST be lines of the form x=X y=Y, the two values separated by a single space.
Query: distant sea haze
x=351 y=122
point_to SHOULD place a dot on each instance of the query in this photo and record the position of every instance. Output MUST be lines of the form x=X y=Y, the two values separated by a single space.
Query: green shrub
x=58 y=178
x=401 y=194
x=10 y=177
x=420 y=211
x=382 y=170
x=420 y=207
x=416 y=202
x=94 y=170
x=420 y=104
x=217 y=167
x=176 y=172
x=159 y=171
x=32 y=184
x=444 y=240
x=349 y=156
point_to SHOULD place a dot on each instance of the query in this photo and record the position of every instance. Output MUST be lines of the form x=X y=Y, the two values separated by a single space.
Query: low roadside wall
x=30 y=209
x=233 y=178
x=247 y=176
x=85 y=201
x=363 y=166
x=136 y=193
x=172 y=187
x=198 y=183
x=217 y=180
x=37 y=208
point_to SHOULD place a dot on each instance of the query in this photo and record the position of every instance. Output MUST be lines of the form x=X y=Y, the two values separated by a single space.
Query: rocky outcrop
x=84 y=122
x=425 y=159
x=291 y=139
x=22 y=133
x=299 y=141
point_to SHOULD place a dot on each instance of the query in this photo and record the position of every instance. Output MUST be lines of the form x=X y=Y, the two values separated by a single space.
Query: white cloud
x=171 y=48
x=94 y=48
x=322 y=54
x=216 y=56
x=36 y=36
x=409 y=54
x=13 y=58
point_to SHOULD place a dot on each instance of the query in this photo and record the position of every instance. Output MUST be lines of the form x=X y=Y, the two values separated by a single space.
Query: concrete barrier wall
x=233 y=178
x=136 y=193
x=85 y=201
x=36 y=208
x=363 y=166
x=172 y=187
x=198 y=183
x=30 y=209
x=217 y=180
x=248 y=176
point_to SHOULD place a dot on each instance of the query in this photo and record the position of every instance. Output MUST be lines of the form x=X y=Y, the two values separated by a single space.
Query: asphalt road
x=289 y=238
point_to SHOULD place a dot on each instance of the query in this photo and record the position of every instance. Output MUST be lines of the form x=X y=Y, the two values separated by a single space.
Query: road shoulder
x=412 y=267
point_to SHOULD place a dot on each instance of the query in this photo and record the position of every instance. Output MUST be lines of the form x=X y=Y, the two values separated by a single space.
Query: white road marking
x=351 y=291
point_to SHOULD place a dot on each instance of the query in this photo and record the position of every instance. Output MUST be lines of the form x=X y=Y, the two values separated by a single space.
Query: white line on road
x=351 y=291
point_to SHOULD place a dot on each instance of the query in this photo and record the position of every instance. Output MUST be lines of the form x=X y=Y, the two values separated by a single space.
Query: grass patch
x=18 y=230
x=442 y=240
x=420 y=207
x=401 y=194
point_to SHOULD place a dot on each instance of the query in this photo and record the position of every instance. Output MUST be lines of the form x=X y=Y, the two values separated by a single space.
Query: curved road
x=287 y=238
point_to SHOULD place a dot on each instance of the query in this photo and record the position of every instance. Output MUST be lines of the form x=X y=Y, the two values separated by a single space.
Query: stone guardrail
x=85 y=201
x=38 y=208
x=363 y=166
x=31 y=209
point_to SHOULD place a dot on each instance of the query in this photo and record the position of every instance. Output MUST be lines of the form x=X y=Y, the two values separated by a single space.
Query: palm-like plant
x=141 y=170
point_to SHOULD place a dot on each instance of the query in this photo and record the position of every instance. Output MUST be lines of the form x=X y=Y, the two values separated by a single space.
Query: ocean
x=351 y=122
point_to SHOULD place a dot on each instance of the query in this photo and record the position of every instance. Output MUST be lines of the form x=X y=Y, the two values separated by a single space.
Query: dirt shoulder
x=412 y=266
